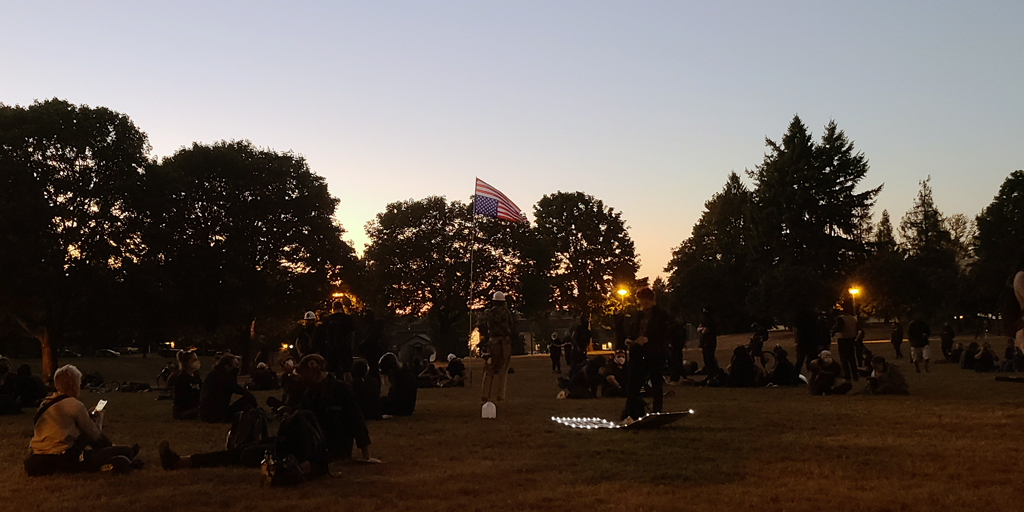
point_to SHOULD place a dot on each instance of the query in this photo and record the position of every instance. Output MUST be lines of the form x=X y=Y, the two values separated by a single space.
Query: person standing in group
x=555 y=351
x=581 y=338
x=896 y=338
x=648 y=349
x=708 y=330
x=918 y=333
x=567 y=351
x=846 y=328
x=340 y=329
x=946 y=342
x=304 y=336
x=806 y=339
x=372 y=345
x=499 y=325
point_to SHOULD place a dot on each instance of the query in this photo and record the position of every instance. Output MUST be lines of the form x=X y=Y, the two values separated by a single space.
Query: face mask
x=620 y=360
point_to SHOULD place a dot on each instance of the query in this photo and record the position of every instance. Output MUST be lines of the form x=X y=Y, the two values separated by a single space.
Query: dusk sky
x=645 y=105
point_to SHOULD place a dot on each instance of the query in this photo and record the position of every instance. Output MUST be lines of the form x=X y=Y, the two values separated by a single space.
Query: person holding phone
x=69 y=439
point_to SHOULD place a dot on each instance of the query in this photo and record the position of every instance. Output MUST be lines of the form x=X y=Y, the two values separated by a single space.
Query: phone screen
x=100 y=405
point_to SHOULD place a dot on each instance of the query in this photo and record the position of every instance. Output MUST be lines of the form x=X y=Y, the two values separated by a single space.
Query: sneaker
x=168 y=459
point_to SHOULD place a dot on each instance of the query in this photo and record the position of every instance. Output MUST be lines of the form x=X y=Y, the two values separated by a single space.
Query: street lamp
x=854 y=291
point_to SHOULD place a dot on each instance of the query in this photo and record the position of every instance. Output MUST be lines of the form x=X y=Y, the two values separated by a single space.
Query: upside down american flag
x=490 y=202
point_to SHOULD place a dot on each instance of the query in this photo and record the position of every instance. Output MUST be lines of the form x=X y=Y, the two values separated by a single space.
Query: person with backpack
x=69 y=439
x=336 y=409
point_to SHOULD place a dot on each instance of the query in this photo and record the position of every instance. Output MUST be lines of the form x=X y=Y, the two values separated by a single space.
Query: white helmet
x=498 y=296
x=309 y=316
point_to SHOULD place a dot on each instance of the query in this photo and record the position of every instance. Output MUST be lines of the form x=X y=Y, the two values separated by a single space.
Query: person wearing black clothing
x=367 y=390
x=372 y=345
x=946 y=341
x=708 y=331
x=29 y=389
x=9 y=403
x=742 y=372
x=968 y=359
x=784 y=373
x=555 y=351
x=806 y=339
x=581 y=338
x=676 y=343
x=455 y=372
x=304 y=336
x=336 y=408
x=896 y=338
x=614 y=376
x=917 y=334
x=986 y=359
x=187 y=387
x=648 y=349
x=825 y=376
x=846 y=327
x=402 y=388
x=221 y=384
x=339 y=332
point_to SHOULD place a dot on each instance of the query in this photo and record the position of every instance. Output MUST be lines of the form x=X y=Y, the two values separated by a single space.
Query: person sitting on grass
x=784 y=373
x=69 y=439
x=221 y=384
x=1012 y=357
x=263 y=378
x=985 y=359
x=187 y=387
x=967 y=359
x=292 y=389
x=613 y=375
x=885 y=379
x=401 y=398
x=367 y=390
x=826 y=376
x=429 y=376
x=455 y=372
x=29 y=389
x=9 y=403
x=742 y=372
x=336 y=408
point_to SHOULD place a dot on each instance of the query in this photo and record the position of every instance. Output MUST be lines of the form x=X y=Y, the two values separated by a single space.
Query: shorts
x=919 y=353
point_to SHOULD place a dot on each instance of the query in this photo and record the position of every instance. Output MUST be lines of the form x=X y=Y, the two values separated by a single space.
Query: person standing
x=372 y=346
x=648 y=349
x=555 y=351
x=918 y=333
x=499 y=326
x=946 y=342
x=846 y=328
x=708 y=331
x=581 y=338
x=896 y=338
x=304 y=337
x=340 y=329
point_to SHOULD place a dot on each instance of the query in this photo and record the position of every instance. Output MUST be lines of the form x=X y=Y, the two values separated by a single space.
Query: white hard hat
x=498 y=296
x=309 y=316
x=451 y=356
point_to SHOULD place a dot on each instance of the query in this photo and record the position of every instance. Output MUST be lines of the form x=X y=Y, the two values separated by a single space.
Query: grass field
x=954 y=444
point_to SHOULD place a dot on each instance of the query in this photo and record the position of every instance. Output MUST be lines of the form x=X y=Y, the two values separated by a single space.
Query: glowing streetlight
x=854 y=291
x=622 y=292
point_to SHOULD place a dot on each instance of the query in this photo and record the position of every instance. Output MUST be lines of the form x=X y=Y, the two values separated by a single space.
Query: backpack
x=248 y=428
x=299 y=440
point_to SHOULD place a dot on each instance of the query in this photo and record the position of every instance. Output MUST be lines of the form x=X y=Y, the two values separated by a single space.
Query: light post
x=854 y=291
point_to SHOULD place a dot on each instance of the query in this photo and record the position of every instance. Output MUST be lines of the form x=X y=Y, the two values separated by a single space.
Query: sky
x=647 y=106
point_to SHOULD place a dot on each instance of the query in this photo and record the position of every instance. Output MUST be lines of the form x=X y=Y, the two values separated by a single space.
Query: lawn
x=954 y=444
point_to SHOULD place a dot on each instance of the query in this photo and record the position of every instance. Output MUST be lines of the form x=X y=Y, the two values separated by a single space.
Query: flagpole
x=472 y=282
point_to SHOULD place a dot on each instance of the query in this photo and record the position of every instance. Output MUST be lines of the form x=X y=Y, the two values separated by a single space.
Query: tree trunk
x=46 y=340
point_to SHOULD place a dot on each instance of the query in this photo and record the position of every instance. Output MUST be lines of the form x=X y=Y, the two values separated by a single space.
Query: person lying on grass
x=69 y=439
x=329 y=399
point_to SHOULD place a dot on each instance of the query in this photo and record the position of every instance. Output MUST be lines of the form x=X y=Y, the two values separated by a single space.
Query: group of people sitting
x=590 y=377
x=428 y=375
x=19 y=390
x=983 y=358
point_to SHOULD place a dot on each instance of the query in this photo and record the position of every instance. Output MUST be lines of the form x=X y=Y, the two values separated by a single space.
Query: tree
x=999 y=243
x=592 y=249
x=809 y=218
x=712 y=268
x=235 y=233
x=885 y=276
x=66 y=224
x=931 y=260
x=418 y=261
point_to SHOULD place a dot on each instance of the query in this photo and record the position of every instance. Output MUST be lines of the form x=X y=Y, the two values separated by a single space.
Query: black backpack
x=299 y=440
x=248 y=428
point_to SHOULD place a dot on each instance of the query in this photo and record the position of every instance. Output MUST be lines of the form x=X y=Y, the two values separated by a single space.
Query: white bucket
x=488 y=411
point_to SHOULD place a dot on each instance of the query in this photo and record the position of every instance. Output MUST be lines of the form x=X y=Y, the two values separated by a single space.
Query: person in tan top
x=69 y=439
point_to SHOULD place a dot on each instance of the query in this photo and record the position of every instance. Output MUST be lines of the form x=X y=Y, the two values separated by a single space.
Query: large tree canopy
x=419 y=261
x=810 y=218
x=68 y=175
x=592 y=249
x=235 y=233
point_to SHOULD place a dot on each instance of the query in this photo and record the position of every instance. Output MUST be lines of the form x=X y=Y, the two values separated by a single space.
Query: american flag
x=491 y=202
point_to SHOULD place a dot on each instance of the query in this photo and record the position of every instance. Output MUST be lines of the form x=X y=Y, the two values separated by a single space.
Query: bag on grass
x=248 y=428
x=299 y=440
